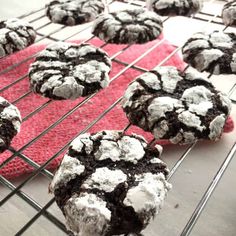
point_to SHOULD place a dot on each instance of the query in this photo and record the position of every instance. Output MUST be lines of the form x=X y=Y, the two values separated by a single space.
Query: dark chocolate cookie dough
x=213 y=52
x=10 y=121
x=229 y=13
x=178 y=106
x=74 y=12
x=109 y=184
x=15 y=35
x=68 y=71
x=128 y=26
x=174 y=7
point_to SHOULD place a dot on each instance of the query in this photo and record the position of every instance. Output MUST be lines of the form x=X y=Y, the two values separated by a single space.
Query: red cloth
x=56 y=138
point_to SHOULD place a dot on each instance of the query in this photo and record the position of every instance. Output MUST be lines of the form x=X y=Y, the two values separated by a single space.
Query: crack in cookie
x=110 y=183
x=68 y=71
x=128 y=26
x=178 y=106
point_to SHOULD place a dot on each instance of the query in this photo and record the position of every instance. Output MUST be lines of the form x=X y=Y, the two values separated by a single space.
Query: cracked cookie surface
x=110 y=183
x=213 y=52
x=178 y=106
x=68 y=71
x=15 y=35
x=229 y=13
x=74 y=12
x=174 y=7
x=128 y=27
x=10 y=121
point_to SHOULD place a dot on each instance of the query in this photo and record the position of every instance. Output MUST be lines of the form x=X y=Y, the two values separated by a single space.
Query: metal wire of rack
x=182 y=156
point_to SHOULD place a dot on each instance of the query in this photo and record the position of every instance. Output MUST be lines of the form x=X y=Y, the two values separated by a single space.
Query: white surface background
x=14 y=8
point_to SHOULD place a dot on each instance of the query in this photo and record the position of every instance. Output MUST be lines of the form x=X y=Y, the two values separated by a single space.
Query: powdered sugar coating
x=212 y=52
x=198 y=99
x=169 y=79
x=216 y=126
x=229 y=13
x=74 y=12
x=68 y=170
x=127 y=148
x=68 y=71
x=15 y=35
x=191 y=120
x=156 y=160
x=132 y=149
x=10 y=122
x=86 y=214
x=84 y=142
x=152 y=188
x=91 y=185
x=108 y=150
x=128 y=26
x=174 y=7
x=183 y=113
x=105 y=179
x=164 y=104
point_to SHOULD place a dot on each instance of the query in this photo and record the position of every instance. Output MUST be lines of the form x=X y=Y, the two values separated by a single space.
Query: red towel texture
x=49 y=143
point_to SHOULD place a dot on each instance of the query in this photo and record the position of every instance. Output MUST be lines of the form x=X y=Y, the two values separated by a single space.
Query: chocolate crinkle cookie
x=10 y=121
x=68 y=71
x=110 y=183
x=15 y=35
x=74 y=12
x=213 y=52
x=229 y=13
x=181 y=107
x=128 y=26
x=174 y=7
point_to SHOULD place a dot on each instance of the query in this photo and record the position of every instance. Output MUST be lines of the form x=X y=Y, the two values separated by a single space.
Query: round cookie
x=10 y=121
x=181 y=107
x=74 y=12
x=110 y=183
x=174 y=7
x=214 y=52
x=68 y=71
x=128 y=26
x=15 y=35
x=229 y=13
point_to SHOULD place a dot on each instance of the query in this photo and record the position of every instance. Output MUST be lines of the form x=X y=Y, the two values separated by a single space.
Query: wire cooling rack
x=196 y=170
